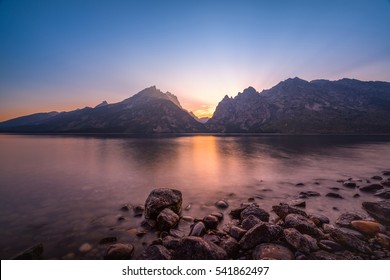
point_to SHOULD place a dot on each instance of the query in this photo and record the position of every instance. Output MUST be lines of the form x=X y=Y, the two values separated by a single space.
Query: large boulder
x=379 y=210
x=159 y=199
x=196 y=248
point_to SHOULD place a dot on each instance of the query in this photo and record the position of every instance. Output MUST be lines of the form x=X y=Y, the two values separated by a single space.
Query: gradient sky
x=68 y=54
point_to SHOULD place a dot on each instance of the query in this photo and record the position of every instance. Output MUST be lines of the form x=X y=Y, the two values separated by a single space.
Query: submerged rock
x=269 y=251
x=196 y=248
x=371 y=188
x=348 y=184
x=383 y=193
x=386 y=182
x=109 y=239
x=159 y=199
x=222 y=204
x=379 y=210
x=308 y=194
x=119 y=251
x=33 y=253
x=377 y=178
x=334 y=195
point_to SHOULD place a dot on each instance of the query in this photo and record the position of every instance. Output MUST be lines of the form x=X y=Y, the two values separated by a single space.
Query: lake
x=67 y=190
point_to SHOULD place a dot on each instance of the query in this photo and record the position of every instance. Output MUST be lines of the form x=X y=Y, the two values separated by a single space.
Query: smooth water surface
x=64 y=191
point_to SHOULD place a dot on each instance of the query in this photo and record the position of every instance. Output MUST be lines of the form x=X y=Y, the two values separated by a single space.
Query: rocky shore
x=250 y=232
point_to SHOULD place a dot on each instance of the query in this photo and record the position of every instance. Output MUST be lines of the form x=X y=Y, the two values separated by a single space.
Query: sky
x=67 y=54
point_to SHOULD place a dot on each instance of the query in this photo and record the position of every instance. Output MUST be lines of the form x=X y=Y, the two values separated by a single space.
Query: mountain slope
x=298 y=106
x=149 y=111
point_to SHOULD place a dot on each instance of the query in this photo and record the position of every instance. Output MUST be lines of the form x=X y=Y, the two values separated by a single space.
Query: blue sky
x=62 y=55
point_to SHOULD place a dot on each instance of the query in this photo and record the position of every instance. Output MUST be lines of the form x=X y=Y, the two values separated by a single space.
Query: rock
x=379 y=210
x=211 y=221
x=270 y=251
x=237 y=232
x=198 y=229
x=33 y=253
x=106 y=240
x=334 y=195
x=167 y=219
x=383 y=193
x=386 y=182
x=148 y=224
x=352 y=232
x=212 y=238
x=283 y=209
x=119 y=251
x=296 y=240
x=196 y=248
x=297 y=203
x=376 y=178
x=351 y=185
x=356 y=195
x=255 y=211
x=310 y=193
x=222 y=204
x=323 y=255
x=263 y=232
x=330 y=246
x=345 y=219
x=159 y=199
x=299 y=184
x=188 y=207
x=125 y=208
x=319 y=219
x=230 y=245
x=251 y=199
x=156 y=252
x=301 y=223
x=386 y=173
x=236 y=213
x=335 y=188
x=176 y=233
x=120 y=218
x=312 y=242
x=138 y=210
x=219 y=215
x=85 y=247
x=367 y=227
x=350 y=241
x=170 y=242
x=371 y=188
x=187 y=219
x=383 y=240
x=249 y=222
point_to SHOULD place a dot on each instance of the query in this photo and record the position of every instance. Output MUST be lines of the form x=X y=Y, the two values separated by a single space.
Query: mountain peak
x=250 y=90
x=104 y=103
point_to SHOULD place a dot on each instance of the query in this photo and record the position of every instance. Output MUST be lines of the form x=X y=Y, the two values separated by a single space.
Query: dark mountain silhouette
x=296 y=106
x=149 y=111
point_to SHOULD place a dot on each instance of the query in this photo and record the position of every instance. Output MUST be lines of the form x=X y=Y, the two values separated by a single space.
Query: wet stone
x=386 y=173
x=383 y=193
x=350 y=241
x=237 y=232
x=296 y=240
x=383 y=240
x=379 y=210
x=334 y=195
x=324 y=255
x=211 y=221
x=160 y=199
x=148 y=224
x=119 y=251
x=198 y=229
x=299 y=184
x=356 y=195
x=269 y=251
x=386 y=182
x=219 y=215
x=222 y=204
x=33 y=253
x=212 y=238
x=310 y=193
x=351 y=185
x=167 y=219
x=330 y=246
x=312 y=242
x=345 y=219
x=125 y=208
x=196 y=248
x=86 y=247
x=170 y=242
x=301 y=223
x=319 y=219
x=367 y=227
x=249 y=222
x=230 y=245
x=255 y=211
x=156 y=252
x=263 y=232
x=371 y=188
x=297 y=203
x=283 y=209
x=236 y=213
x=377 y=178
x=138 y=210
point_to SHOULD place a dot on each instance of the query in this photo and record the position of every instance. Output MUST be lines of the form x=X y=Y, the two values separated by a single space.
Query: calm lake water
x=64 y=191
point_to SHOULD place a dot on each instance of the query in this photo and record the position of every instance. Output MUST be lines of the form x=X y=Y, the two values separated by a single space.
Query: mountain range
x=293 y=106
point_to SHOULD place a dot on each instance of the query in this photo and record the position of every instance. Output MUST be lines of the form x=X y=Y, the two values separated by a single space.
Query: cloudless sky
x=67 y=54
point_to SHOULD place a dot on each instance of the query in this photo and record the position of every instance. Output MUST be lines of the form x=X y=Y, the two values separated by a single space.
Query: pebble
x=371 y=188
x=86 y=247
x=211 y=221
x=198 y=229
x=367 y=227
x=334 y=195
x=349 y=185
x=222 y=204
